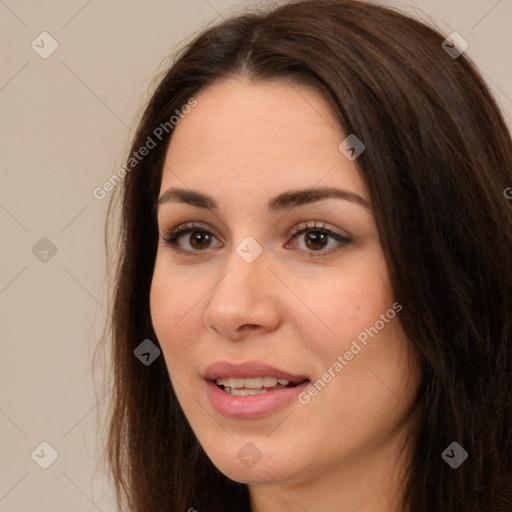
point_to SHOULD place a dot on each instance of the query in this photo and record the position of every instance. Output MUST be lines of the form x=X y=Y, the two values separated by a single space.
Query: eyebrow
x=283 y=201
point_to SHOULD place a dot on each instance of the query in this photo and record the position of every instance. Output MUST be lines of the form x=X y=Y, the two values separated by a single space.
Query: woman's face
x=275 y=282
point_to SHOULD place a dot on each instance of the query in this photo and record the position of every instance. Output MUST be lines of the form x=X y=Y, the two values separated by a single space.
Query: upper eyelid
x=295 y=229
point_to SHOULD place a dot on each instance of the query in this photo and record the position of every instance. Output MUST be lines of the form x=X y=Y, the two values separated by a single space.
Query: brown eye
x=316 y=240
x=198 y=238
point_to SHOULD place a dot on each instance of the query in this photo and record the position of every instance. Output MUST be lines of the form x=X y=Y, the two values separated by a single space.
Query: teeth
x=244 y=392
x=270 y=382
x=236 y=383
x=252 y=383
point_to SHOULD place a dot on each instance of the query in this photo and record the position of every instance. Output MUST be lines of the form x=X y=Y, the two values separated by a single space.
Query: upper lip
x=247 y=370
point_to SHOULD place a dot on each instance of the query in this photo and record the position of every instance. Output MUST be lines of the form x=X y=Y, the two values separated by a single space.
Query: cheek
x=175 y=306
x=365 y=331
x=347 y=304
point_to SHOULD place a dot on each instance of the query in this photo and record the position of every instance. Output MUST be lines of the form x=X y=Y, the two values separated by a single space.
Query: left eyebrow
x=294 y=198
x=283 y=201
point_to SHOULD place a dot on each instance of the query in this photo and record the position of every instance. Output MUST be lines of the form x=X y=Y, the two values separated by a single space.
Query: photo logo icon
x=351 y=147
x=44 y=45
x=44 y=455
x=249 y=455
x=454 y=455
x=147 y=352
x=454 y=45
x=44 y=250
x=249 y=249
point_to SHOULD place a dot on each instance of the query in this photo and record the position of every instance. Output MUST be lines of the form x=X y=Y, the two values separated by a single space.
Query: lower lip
x=251 y=406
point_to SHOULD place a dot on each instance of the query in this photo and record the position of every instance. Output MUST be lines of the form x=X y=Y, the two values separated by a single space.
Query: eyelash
x=171 y=238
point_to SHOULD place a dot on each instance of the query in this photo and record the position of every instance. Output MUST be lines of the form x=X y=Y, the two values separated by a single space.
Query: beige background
x=67 y=121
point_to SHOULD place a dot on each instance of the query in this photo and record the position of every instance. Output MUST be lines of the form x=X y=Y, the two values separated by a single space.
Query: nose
x=244 y=301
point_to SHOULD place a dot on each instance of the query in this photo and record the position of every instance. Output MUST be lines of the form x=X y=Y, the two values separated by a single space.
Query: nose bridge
x=245 y=269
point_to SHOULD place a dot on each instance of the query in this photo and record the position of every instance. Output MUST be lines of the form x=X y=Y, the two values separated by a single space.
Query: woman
x=312 y=307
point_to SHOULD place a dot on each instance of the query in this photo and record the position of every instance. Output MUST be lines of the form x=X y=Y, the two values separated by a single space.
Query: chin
x=249 y=466
x=264 y=474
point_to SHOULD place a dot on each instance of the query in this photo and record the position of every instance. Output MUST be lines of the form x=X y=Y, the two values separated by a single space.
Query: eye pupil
x=198 y=238
x=316 y=237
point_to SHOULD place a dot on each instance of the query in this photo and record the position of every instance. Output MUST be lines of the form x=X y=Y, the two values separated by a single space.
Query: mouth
x=252 y=389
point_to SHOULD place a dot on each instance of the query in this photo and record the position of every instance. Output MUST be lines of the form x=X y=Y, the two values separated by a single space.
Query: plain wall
x=67 y=123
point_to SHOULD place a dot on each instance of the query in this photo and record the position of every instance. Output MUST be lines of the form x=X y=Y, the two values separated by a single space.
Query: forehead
x=249 y=135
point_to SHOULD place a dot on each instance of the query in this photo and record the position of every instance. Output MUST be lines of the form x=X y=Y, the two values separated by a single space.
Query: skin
x=298 y=306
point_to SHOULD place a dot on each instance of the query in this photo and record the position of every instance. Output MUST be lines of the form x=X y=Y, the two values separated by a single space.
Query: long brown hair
x=438 y=159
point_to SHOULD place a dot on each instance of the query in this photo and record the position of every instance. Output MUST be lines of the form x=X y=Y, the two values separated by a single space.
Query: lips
x=251 y=390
